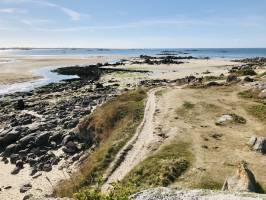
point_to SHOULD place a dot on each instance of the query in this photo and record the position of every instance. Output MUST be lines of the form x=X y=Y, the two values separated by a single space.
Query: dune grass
x=112 y=124
x=258 y=111
x=162 y=168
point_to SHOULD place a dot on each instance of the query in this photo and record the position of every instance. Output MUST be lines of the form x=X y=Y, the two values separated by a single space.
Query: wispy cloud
x=12 y=11
x=72 y=14
x=32 y=22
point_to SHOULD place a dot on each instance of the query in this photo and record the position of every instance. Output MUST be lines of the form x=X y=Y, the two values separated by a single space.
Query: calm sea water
x=229 y=53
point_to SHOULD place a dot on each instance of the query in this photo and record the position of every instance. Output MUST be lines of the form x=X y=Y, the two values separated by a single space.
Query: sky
x=133 y=23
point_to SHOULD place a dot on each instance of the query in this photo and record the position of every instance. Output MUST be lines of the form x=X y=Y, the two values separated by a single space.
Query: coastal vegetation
x=162 y=168
x=114 y=123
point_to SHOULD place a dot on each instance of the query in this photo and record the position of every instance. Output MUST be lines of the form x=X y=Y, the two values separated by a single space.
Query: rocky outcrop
x=177 y=194
x=32 y=134
x=243 y=180
x=258 y=144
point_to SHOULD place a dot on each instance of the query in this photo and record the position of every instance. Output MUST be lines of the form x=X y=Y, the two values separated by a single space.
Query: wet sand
x=19 y=69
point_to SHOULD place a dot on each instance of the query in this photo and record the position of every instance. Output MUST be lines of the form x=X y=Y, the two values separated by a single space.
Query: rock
x=27 y=197
x=19 y=164
x=36 y=175
x=243 y=181
x=15 y=170
x=5 y=160
x=8 y=187
x=56 y=137
x=14 y=158
x=213 y=83
x=248 y=79
x=20 y=105
x=262 y=94
x=24 y=188
x=66 y=139
x=42 y=139
x=70 y=148
x=224 y=119
x=8 y=138
x=231 y=78
x=27 y=140
x=47 y=167
x=258 y=144
x=12 y=148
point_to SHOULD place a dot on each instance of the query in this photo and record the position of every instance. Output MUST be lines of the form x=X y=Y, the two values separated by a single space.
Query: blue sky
x=133 y=23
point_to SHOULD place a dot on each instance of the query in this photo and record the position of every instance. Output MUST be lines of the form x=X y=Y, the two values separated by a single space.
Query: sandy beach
x=19 y=69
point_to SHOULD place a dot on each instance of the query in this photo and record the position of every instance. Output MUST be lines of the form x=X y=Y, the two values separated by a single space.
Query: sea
x=227 y=53
x=49 y=77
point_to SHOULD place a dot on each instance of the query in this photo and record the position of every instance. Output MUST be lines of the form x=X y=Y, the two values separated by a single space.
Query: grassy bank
x=112 y=124
x=162 y=168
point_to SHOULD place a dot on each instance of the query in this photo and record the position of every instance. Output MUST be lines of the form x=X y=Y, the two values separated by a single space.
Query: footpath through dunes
x=184 y=130
x=137 y=149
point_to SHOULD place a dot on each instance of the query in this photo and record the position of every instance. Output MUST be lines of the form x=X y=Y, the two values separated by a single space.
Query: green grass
x=253 y=95
x=238 y=119
x=159 y=93
x=245 y=72
x=188 y=105
x=258 y=111
x=160 y=169
x=110 y=126
x=186 y=110
x=206 y=183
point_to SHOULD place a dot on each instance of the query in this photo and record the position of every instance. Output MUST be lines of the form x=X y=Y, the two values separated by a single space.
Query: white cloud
x=12 y=11
x=31 y=22
x=71 y=13
x=74 y=15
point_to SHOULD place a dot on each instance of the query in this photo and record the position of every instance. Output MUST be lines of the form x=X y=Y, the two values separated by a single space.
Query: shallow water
x=48 y=77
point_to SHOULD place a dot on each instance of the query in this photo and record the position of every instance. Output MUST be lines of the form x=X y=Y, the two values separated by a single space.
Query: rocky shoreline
x=38 y=127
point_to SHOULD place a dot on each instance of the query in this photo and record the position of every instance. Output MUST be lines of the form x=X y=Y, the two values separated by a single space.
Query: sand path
x=137 y=149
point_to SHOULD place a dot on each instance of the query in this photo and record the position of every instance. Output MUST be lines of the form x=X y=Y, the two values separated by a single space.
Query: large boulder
x=42 y=139
x=8 y=137
x=258 y=144
x=243 y=180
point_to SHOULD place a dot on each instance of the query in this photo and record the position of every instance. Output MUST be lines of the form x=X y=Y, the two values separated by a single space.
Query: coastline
x=71 y=98
x=18 y=69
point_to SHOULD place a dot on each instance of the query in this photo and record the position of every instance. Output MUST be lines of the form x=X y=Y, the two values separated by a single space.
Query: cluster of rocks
x=243 y=70
x=169 y=59
x=36 y=124
x=253 y=61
